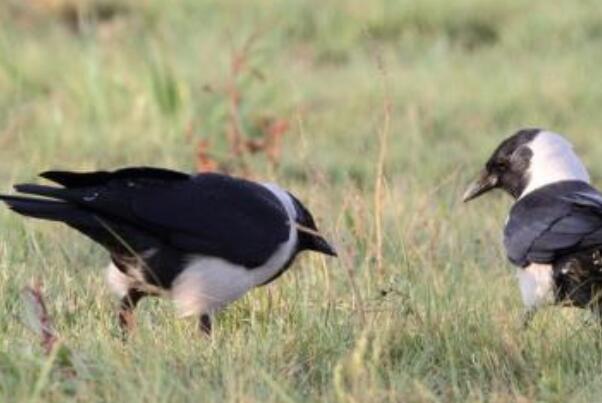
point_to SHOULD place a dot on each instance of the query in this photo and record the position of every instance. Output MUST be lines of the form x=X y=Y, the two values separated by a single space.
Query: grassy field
x=387 y=108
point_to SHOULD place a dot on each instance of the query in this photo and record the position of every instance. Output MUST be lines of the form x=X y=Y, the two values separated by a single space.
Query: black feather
x=553 y=222
x=87 y=179
x=209 y=214
x=38 y=208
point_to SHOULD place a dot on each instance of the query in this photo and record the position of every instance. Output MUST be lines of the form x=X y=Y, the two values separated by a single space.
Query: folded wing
x=554 y=221
x=208 y=214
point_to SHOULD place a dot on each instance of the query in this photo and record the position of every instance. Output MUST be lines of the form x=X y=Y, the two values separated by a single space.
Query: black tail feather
x=49 y=210
x=46 y=191
x=73 y=180
x=77 y=179
x=99 y=229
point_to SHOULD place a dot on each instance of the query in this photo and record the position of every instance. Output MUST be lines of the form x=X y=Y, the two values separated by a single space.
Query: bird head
x=309 y=236
x=528 y=160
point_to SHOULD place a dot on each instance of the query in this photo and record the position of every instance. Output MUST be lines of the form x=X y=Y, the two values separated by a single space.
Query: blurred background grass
x=421 y=306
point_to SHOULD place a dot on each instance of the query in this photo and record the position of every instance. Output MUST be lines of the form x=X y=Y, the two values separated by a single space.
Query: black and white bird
x=201 y=240
x=554 y=230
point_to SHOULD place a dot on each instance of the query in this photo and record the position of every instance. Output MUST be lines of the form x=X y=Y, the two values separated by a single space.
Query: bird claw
x=205 y=324
x=527 y=319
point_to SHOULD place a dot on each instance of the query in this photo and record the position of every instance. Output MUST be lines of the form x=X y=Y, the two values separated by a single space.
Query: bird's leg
x=126 y=310
x=596 y=310
x=527 y=318
x=205 y=324
x=595 y=305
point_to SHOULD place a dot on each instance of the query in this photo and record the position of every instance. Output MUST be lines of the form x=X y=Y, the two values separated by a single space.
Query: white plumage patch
x=118 y=282
x=536 y=285
x=207 y=285
x=553 y=160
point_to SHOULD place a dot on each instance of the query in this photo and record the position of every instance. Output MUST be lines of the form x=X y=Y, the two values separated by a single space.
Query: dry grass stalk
x=41 y=320
x=241 y=144
x=204 y=161
x=273 y=130
x=380 y=166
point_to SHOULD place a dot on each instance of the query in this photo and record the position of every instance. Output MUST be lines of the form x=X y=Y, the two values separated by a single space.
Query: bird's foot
x=125 y=315
x=527 y=318
x=127 y=324
x=205 y=324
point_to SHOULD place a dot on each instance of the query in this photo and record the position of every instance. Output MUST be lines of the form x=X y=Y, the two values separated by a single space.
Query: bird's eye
x=501 y=166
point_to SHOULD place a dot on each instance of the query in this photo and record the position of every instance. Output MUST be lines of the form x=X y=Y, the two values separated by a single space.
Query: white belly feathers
x=207 y=284
x=536 y=285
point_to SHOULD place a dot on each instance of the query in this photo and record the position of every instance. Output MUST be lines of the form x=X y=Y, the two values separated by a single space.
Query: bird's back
x=207 y=214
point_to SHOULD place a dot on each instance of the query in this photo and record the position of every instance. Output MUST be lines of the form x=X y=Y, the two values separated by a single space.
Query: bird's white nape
x=284 y=198
x=553 y=160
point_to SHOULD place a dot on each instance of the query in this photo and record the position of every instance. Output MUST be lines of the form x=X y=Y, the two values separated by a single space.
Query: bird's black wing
x=208 y=214
x=99 y=178
x=554 y=221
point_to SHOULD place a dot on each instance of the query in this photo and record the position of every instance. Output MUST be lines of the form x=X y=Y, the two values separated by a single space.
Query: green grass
x=438 y=321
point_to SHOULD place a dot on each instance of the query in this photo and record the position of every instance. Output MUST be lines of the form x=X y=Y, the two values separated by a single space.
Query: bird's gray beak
x=311 y=239
x=320 y=244
x=482 y=185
